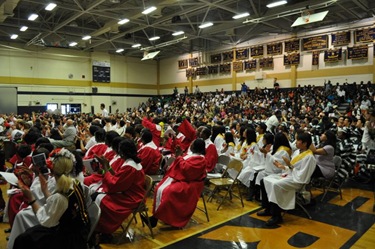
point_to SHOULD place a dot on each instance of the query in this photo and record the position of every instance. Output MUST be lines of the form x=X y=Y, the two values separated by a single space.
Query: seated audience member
x=154 y=126
x=120 y=191
x=110 y=153
x=280 y=148
x=177 y=195
x=217 y=137
x=211 y=154
x=22 y=157
x=228 y=146
x=279 y=191
x=324 y=154
x=345 y=149
x=85 y=144
x=68 y=137
x=149 y=154
x=99 y=148
x=63 y=220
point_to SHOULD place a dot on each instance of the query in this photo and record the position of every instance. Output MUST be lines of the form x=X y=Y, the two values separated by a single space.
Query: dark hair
x=305 y=138
x=331 y=139
x=100 y=135
x=198 y=146
x=269 y=137
x=228 y=136
x=206 y=133
x=130 y=130
x=128 y=149
x=115 y=144
x=146 y=136
x=251 y=136
x=47 y=146
x=109 y=136
x=24 y=150
x=78 y=166
x=280 y=140
x=93 y=128
x=40 y=141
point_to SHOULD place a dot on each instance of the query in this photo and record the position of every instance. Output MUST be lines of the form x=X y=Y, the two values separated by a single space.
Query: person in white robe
x=279 y=190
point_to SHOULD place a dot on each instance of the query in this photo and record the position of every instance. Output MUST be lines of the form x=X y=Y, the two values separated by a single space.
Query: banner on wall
x=292 y=46
x=334 y=55
x=275 y=48
x=315 y=58
x=242 y=54
x=292 y=59
x=216 y=58
x=341 y=39
x=358 y=52
x=250 y=65
x=238 y=66
x=315 y=43
x=364 y=35
x=213 y=69
x=224 y=68
x=193 y=62
x=228 y=56
x=201 y=71
x=266 y=63
x=257 y=51
x=182 y=64
x=190 y=72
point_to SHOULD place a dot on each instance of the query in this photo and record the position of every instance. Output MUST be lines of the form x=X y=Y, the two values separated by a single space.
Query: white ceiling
x=72 y=19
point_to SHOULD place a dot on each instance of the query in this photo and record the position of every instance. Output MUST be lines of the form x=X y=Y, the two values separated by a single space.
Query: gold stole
x=287 y=149
x=259 y=137
x=300 y=156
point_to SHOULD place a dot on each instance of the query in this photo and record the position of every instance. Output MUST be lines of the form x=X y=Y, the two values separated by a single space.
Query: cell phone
x=39 y=160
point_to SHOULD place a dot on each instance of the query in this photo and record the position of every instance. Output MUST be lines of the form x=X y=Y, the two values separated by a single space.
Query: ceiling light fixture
x=23 y=28
x=149 y=10
x=87 y=37
x=277 y=3
x=123 y=21
x=13 y=37
x=120 y=50
x=154 y=38
x=72 y=44
x=205 y=25
x=242 y=15
x=136 y=45
x=32 y=17
x=178 y=33
x=50 y=6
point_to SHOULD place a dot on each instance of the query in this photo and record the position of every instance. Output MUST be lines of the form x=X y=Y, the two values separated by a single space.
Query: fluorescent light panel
x=277 y=3
x=149 y=10
x=178 y=33
x=206 y=25
x=136 y=45
x=123 y=21
x=14 y=36
x=72 y=44
x=23 y=28
x=242 y=15
x=50 y=6
x=32 y=17
x=316 y=17
x=120 y=50
x=87 y=37
x=154 y=38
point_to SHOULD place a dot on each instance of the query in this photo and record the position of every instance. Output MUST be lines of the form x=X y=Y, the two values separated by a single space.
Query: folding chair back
x=228 y=182
x=141 y=209
x=222 y=163
x=341 y=174
x=94 y=215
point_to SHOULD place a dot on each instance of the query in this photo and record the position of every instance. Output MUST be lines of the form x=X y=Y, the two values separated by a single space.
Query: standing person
x=104 y=111
x=279 y=191
x=64 y=221
x=186 y=91
x=177 y=195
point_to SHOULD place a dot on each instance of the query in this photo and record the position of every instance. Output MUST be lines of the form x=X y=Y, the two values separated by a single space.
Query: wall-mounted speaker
x=92 y=109
x=94 y=90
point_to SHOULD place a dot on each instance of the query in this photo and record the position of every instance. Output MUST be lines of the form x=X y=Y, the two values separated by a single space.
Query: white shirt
x=104 y=113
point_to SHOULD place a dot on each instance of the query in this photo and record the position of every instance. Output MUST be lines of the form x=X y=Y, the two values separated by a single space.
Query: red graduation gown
x=180 y=190
x=154 y=128
x=124 y=191
x=150 y=156
x=97 y=149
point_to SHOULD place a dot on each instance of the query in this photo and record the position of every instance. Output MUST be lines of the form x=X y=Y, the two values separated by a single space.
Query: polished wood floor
x=336 y=223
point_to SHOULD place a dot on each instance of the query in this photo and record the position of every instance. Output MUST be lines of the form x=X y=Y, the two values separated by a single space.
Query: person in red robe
x=99 y=148
x=177 y=195
x=149 y=154
x=154 y=127
x=120 y=191
x=211 y=152
x=188 y=135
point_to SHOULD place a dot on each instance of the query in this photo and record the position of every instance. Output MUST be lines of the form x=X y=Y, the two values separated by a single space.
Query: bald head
x=69 y=122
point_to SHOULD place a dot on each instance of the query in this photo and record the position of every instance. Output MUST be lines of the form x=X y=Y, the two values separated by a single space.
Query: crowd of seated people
x=261 y=127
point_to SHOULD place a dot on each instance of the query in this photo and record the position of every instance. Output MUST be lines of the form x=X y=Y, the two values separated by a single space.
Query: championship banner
x=314 y=43
x=216 y=58
x=193 y=62
x=341 y=39
x=275 y=49
x=190 y=72
x=292 y=46
x=182 y=64
x=238 y=66
x=266 y=63
x=333 y=55
x=227 y=56
x=315 y=58
x=201 y=71
x=213 y=69
x=257 y=51
x=364 y=35
x=242 y=54
x=224 y=68
x=359 y=52
x=292 y=59
x=250 y=65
